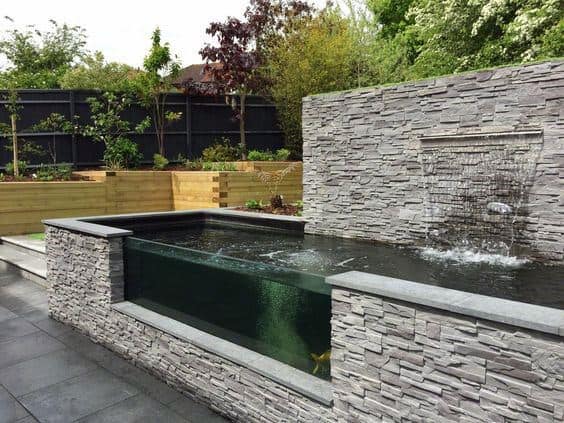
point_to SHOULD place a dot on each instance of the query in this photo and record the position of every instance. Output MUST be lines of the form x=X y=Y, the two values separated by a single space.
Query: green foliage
x=221 y=151
x=254 y=204
x=97 y=74
x=280 y=155
x=159 y=162
x=109 y=127
x=152 y=86
x=317 y=56
x=219 y=166
x=22 y=167
x=424 y=38
x=54 y=123
x=260 y=156
x=61 y=172
x=2 y=177
x=193 y=164
x=38 y=59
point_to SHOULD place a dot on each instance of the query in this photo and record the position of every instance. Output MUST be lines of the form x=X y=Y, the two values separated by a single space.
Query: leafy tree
x=153 y=85
x=21 y=148
x=241 y=46
x=318 y=56
x=38 y=59
x=54 y=123
x=108 y=127
x=422 y=38
x=97 y=74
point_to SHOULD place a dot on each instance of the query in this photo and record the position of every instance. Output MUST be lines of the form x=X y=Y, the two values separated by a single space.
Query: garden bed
x=99 y=192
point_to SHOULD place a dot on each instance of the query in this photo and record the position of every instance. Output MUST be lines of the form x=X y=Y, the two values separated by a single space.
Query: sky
x=121 y=29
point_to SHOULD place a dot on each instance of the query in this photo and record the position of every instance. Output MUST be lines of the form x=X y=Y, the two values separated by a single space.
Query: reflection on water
x=495 y=275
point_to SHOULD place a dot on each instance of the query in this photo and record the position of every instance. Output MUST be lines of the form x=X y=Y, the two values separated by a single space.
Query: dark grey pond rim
x=528 y=316
x=310 y=386
x=115 y=226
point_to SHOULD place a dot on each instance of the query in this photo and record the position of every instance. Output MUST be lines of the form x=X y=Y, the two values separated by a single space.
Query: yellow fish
x=320 y=359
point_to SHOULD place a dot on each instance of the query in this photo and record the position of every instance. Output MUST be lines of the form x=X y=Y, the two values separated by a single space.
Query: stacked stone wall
x=395 y=163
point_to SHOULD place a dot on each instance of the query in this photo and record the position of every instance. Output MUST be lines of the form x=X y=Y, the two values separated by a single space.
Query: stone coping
x=297 y=380
x=529 y=316
x=85 y=225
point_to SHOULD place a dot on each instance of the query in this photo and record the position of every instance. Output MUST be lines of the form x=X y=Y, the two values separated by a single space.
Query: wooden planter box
x=24 y=204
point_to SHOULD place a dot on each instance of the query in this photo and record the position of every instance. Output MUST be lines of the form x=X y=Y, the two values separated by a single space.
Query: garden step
x=25 y=244
x=26 y=264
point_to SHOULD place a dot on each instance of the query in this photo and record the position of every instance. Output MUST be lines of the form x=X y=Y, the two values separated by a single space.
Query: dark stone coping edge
x=85 y=225
x=296 y=380
x=529 y=316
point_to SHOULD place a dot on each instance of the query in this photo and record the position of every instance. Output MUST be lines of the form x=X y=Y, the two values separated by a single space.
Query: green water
x=284 y=314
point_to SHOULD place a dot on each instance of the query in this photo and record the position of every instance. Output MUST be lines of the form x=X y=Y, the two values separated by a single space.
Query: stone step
x=25 y=244
x=29 y=265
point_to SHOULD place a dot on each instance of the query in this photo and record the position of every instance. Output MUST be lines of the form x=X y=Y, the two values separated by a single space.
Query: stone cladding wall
x=398 y=361
x=421 y=160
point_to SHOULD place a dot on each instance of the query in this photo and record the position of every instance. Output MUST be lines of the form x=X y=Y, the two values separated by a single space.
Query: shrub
x=109 y=127
x=193 y=164
x=49 y=173
x=22 y=167
x=159 y=162
x=260 y=156
x=282 y=155
x=219 y=166
x=2 y=177
x=267 y=156
x=221 y=151
x=122 y=153
x=254 y=204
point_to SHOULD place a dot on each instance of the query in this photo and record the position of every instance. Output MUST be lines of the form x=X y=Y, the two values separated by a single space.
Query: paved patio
x=50 y=373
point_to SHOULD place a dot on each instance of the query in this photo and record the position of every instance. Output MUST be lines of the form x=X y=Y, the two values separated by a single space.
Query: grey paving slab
x=195 y=412
x=78 y=397
x=86 y=347
x=52 y=327
x=137 y=409
x=11 y=411
x=6 y=314
x=39 y=313
x=14 y=328
x=37 y=373
x=142 y=380
x=26 y=347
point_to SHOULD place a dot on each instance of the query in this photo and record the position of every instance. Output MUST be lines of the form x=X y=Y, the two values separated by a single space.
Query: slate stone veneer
x=400 y=361
x=421 y=160
x=86 y=276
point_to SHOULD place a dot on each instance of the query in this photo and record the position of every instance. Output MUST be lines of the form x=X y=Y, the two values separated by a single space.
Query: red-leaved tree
x=235 y=59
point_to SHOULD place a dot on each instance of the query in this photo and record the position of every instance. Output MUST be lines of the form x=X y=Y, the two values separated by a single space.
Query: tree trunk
x=13 y=119
x=243 y=136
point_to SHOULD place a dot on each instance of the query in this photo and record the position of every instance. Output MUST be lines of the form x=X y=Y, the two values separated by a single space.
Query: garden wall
x=400 y=353
x=421 y=160
x=24 y=204
x=85 y=274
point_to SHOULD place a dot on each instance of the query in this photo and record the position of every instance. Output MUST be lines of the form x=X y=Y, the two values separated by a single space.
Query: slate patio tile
x=78 y=397
x=137 y=409
x=6 y=314
x=146 y=383
x=27 y=347
x=14 y=328
x=10 y=410
x=48 y=369
x=195 y=412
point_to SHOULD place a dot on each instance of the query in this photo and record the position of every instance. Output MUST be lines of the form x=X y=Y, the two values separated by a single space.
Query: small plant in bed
x=159 y=162
x=294 y=209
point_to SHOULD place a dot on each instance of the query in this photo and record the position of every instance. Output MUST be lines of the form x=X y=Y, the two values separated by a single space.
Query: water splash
x=469 y=256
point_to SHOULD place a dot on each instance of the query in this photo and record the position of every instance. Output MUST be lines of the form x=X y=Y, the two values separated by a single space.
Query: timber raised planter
x=24 y=204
